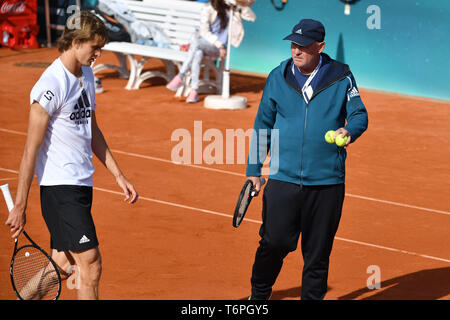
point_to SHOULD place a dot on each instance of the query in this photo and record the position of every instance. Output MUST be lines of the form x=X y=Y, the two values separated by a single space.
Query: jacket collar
x=335 y=71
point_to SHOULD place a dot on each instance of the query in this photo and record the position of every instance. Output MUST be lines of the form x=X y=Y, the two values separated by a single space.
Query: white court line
x=8 y=170
x=392 y=249
x=175 y=163
x=4 y=179
x=397 y=204
x=13 y=131
x=243 y=175
x=176 y=205
x=258 y=222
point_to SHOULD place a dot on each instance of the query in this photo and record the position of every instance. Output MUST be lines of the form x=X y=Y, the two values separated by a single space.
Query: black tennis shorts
x=67 y=212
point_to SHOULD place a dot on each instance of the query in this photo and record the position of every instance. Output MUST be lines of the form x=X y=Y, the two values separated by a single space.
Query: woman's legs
x=197 y=49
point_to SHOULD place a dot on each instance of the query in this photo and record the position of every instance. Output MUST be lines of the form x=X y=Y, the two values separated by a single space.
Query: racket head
x=34 y=275
x=245 y=197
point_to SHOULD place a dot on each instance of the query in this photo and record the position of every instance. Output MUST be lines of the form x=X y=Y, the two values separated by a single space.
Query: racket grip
x=7 y=196
x=262 y=181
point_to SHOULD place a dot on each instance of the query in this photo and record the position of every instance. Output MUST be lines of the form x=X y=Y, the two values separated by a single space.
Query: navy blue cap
x=306 y=32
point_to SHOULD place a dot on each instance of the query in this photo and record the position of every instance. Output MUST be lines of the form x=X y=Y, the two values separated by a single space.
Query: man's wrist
x=118 y=175
x=21 y=206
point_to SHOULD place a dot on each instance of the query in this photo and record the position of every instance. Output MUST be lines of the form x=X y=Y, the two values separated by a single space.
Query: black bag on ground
x=116 y=31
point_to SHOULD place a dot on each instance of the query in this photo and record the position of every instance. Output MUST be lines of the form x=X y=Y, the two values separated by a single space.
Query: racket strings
x=35 y=278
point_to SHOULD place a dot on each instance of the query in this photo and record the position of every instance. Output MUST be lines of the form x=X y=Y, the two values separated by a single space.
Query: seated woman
x=211 y=40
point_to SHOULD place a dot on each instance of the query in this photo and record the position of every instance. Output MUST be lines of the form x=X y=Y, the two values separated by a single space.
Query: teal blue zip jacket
x=294 y=130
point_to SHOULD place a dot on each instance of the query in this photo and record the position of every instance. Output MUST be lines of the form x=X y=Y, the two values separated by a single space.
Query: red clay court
x=177 y=241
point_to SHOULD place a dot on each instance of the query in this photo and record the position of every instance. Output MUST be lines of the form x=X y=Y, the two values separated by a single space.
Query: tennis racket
x=34 y=275
x=245 y=197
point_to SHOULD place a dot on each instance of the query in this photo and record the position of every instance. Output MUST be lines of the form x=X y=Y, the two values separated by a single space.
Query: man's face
x=87 y=52
x=304 y=57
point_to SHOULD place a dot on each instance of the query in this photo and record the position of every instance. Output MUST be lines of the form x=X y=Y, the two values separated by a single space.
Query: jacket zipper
x=303 y=144
x=306 y=116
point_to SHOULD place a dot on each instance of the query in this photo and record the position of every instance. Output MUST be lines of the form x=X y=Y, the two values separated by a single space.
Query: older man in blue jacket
x=304 y=97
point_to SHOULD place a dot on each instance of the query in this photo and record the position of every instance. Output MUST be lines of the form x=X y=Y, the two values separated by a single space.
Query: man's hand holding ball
x=341 y=137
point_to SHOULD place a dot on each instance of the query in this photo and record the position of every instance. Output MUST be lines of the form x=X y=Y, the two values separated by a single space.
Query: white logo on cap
x=299 y=31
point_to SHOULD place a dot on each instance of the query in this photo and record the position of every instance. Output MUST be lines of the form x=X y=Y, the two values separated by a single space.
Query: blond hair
x=82 y=26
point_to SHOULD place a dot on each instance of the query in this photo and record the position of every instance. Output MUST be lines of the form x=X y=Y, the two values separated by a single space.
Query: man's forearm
x=26 y=173
x=111 y=164
x=103 y=153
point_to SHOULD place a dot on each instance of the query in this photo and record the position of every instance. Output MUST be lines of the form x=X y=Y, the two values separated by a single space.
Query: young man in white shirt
x=62 y=135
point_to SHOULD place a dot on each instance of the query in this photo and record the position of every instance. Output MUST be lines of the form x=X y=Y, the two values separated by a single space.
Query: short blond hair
x=82 y=26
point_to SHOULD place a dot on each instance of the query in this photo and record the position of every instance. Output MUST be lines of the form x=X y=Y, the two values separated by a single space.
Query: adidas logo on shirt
x=84 y=239
x=82 y=110
x=353 y=93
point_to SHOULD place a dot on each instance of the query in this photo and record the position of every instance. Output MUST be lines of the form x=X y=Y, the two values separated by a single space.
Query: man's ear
x=321 y=46
x=76 y=43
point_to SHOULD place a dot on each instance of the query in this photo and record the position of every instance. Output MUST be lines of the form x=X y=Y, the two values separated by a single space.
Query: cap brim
x=298 y=39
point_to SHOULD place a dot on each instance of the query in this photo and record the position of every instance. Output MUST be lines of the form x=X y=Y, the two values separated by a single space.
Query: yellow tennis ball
x=340 y=140
x=329 y=136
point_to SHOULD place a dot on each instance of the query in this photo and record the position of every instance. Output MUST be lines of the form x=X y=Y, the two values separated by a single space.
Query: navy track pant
x=288 y=210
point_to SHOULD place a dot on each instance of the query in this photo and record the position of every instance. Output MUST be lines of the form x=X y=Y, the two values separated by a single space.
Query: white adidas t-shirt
x=66 y=153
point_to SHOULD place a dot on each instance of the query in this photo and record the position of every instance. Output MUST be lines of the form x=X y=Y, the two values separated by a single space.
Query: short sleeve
x=47 y=92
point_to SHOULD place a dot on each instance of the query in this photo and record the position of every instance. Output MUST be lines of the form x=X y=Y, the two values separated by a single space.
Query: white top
x=209 y=15
x=66 y=153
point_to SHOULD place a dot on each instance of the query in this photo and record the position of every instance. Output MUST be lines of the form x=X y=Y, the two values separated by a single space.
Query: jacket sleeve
x=261 y=137
x=205 y=23
x=357 y=118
